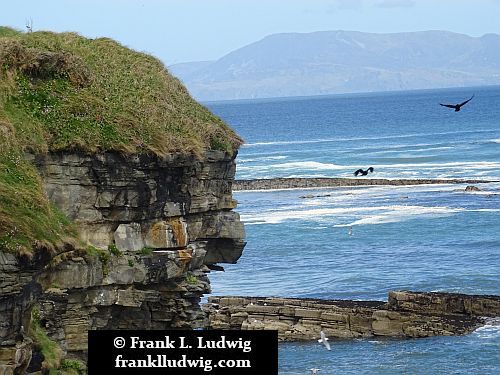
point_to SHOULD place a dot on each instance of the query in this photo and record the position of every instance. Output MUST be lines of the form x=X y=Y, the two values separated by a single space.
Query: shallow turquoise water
x=432 y=238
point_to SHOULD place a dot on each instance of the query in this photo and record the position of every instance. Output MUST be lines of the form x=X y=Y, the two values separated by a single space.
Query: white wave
x=278 y=143
x=387 y=214
x=318 y=166
x=485 y=210
x=305 y=165
x=398 y=215
x=308 y=165
x=433 y=166
x=275 y=217
x=263 y=158
x=324 y=140
x=483 y=192
x=490 y=330
x=450 y=165
x=496 y=140
x=431 y=148
x=407 y=149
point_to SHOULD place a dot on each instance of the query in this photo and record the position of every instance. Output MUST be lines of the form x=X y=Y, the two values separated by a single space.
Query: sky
x=197 y=30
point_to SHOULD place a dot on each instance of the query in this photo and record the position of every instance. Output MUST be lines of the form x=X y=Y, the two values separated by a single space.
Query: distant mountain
x=331 y=62
x=187 y=68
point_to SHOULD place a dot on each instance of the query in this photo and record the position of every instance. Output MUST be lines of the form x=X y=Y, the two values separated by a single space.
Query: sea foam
x=384 y=214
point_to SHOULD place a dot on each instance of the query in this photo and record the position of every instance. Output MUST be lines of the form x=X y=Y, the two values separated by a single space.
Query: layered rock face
x=18 y=292
x=164 y=220
x=137 y=202
x=406 y=314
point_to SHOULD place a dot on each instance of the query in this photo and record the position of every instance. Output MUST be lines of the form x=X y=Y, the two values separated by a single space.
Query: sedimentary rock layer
x=300 y=183
x=406 y=314
x=143 y=201
x=163 y=219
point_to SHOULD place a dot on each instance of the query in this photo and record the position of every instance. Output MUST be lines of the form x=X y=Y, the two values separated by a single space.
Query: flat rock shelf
x=300 y=183
x=406 y=314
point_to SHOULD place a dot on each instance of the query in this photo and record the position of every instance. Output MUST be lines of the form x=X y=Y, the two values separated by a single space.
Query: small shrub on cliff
x=102 y=255
x=146 y=251
x=114 y=250
x=191 y=279
x=55 y=286
x=51 y=352
x=71 y=366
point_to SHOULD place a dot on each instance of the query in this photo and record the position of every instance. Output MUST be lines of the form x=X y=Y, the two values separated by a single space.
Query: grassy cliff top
x=64 y=92
x=67 y=92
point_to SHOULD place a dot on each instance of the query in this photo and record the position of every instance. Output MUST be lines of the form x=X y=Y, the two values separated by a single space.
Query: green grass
x=7 y=31
x=71 y=364
x=52 y=353
x=146 y=251
x=191 y=279
x=64 y=92
x=114 y=250
x=104 y=257
x=95 y=95
x=27 y=218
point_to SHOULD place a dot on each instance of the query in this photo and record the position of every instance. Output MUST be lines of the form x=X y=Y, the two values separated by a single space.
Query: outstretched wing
x=370 y=169
x=358 y=172
x=467 y=101
x=447 y=105
x=327 y=345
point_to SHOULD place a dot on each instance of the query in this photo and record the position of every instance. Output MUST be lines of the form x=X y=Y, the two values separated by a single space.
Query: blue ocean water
x=430 y=238
x=399 y=134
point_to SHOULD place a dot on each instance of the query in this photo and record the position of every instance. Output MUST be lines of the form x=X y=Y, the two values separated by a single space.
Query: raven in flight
x=362 y=172
x=457 y=106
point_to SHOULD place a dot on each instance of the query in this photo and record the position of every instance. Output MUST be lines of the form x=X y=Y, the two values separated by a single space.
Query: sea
x=422 y=237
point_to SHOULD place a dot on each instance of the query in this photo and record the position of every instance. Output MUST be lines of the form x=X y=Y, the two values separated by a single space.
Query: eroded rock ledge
x=146 y=201
x=303 y=183
x=406 y=314
x=165 y=220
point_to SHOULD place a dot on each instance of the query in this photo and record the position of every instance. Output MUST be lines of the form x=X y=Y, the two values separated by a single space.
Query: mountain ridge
x=334 y=62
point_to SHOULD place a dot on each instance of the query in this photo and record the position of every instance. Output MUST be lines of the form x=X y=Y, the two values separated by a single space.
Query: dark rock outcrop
x=471 y=188
x=302 y=183
x=406 y=314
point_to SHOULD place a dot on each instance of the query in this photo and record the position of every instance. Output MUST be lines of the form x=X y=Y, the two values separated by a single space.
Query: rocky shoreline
x=406 y=314
x=305 y=183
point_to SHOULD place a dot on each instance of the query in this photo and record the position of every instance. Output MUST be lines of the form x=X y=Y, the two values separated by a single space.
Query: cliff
x=164 y=221
x=115 y=191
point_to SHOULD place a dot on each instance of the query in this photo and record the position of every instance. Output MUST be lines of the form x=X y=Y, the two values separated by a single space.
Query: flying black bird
x=457 y=106
x=362 y=172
